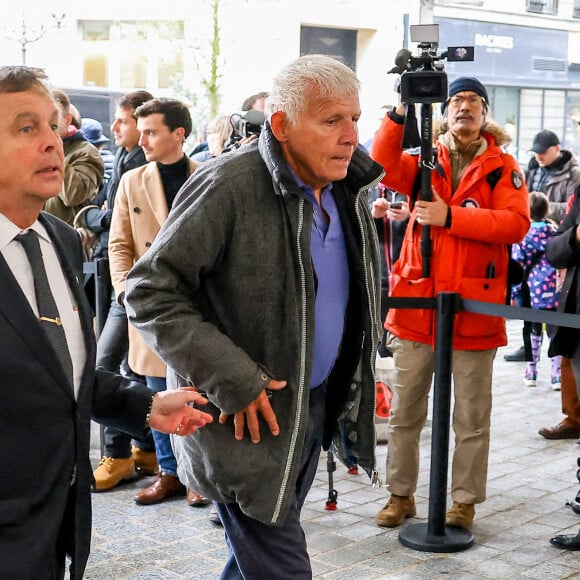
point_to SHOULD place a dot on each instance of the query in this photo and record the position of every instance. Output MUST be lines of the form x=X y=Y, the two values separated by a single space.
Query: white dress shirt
x=15 y=256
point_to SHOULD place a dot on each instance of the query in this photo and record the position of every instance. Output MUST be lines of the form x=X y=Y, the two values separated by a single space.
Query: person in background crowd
x=76 y=120
x=218 y=132
x=50 y=388
x=563 y=252
x=539 y=285
x=255 y=102
x=554 y=171
x=470 y=222
x=201 y=146
x=142 y=203
x=272 y=312
x=84 y=167
x=390 y=211
x=121 y=460
x=93 y=132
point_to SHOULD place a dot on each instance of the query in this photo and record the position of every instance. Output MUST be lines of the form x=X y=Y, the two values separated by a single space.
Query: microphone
x=401 y=61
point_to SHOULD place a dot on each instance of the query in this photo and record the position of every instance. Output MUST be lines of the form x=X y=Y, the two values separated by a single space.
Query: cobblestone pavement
x=529 y=481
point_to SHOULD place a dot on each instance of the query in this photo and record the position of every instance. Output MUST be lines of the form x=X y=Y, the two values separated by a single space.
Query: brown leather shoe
x=195 y=499
x=395 y=511
x=566 y=429
x=164 y=487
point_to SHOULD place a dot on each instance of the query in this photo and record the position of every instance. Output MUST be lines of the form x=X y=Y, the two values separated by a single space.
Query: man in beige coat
x=142 y=204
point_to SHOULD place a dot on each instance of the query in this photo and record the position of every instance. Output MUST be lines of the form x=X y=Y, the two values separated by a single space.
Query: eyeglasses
x=472 y=100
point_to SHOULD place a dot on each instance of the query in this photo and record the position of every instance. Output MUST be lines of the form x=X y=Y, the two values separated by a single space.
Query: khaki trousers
x=472 y=376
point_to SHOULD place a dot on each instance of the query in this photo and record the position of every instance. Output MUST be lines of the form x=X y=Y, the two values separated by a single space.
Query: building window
x=133 y=69
x=542 y=6
x=576 y=9
x=170 y=29
x=132 y=54
x=335 y=42
x=95 y=30
x=170 y=68
x=95 y=71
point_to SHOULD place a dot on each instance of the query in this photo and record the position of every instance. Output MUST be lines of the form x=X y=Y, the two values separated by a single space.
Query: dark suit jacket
x=44 y=431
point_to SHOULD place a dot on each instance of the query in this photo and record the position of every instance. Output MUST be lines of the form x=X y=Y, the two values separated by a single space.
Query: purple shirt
x=328 y=251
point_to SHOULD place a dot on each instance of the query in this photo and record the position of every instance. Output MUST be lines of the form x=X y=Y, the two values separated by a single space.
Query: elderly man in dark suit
x=48 y=382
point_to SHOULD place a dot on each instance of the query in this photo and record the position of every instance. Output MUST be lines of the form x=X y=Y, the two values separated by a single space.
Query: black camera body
x=251 y=123
x=244 y=125
x=424 y=86
x=423 y=77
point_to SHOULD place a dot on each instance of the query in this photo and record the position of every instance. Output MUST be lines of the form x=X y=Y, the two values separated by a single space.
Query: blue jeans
x=165 y=457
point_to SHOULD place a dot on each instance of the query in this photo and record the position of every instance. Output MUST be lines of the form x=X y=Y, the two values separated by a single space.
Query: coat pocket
x=470 y=324
x=417 y=320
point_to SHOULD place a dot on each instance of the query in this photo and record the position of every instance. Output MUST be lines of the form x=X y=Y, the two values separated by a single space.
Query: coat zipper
x=375 y=477
x=302 y=371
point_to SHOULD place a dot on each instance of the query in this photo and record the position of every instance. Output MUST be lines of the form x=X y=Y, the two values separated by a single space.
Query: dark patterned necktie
x=47 y=310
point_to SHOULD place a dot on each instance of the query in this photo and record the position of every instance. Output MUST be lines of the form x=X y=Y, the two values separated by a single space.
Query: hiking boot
x=460 y=515
x=111 y=472
x=395 y=511
x=145 y=461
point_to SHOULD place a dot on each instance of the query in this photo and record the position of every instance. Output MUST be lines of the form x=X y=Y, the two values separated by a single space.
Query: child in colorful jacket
x=540 y=277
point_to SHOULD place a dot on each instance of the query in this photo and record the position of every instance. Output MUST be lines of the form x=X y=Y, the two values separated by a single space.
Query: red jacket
x=484 y=222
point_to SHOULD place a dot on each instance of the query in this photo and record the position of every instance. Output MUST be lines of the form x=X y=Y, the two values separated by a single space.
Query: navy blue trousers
x=258 y=551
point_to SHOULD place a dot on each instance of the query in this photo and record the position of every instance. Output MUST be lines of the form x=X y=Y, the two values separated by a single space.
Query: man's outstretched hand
x=170 y=412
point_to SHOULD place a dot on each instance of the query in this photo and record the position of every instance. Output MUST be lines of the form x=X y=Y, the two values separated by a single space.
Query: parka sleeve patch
x=517 y=179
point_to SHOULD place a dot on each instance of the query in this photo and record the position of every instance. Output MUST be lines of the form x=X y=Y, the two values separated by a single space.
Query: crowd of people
x=211 y=253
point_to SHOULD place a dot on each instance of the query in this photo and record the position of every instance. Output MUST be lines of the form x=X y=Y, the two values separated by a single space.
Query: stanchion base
x=417 y=537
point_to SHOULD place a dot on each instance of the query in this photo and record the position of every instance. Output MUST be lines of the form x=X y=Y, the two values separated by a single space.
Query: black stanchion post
x=435 y=536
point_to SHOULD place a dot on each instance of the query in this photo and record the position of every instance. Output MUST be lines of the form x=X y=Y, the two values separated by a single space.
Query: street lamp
x=28 y=35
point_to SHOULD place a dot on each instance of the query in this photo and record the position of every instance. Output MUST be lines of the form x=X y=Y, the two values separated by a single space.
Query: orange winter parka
x=471 y=256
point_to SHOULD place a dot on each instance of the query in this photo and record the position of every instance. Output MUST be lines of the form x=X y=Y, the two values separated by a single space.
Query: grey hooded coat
x=225 y=296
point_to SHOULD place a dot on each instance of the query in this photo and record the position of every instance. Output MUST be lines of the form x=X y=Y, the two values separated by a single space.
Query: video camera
x=244 y=124
x=423 y=77
x=251 y=123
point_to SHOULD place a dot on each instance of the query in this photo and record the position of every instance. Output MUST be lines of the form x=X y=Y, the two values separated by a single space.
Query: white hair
x=329 y=77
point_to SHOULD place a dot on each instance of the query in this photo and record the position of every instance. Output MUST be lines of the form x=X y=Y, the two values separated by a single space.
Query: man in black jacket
x=50 y=388
x=563 y=251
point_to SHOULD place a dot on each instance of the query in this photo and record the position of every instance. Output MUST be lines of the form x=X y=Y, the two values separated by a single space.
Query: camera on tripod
x=423 y=77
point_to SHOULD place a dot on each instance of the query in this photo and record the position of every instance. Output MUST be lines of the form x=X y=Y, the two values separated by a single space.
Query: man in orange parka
x=472 y=220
